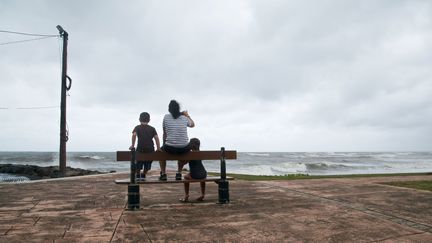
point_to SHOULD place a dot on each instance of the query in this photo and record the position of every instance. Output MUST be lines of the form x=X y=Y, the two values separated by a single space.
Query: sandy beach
x=92 y=209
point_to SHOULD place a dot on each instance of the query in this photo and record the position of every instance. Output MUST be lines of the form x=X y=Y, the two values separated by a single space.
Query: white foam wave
x=258 y=154
x=12 y=178
x=95 y=157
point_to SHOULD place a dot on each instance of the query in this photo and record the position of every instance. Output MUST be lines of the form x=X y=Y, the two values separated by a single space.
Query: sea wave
x=256 y=163
x=4 y=178
x=326 y=166
x=90 y=157
x=288 y=168
x=258 y=154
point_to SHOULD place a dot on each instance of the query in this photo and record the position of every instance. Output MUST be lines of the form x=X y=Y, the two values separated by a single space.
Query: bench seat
x=155 y=180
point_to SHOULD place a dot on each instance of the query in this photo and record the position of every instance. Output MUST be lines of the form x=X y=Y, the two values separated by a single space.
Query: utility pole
x=64 y=88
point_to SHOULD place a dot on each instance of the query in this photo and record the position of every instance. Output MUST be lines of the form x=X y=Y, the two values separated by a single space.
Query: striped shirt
x=176 y=130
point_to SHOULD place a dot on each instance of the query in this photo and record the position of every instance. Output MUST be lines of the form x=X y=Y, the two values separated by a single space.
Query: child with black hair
x=146 y=134
x=196 y=171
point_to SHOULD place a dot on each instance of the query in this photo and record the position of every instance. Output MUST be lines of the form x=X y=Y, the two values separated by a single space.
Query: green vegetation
x=305 y=176
x=420 y=185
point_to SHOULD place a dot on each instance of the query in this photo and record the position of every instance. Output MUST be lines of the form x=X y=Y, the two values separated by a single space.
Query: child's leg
x=203 y=186
x=186 y=190
x=138 y=167
x=147 y=167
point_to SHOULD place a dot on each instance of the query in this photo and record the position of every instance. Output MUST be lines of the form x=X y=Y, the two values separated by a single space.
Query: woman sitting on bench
x=175 y=137
x=196 y=171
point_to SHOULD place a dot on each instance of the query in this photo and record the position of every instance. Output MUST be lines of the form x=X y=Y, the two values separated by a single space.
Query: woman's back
x=176 y=130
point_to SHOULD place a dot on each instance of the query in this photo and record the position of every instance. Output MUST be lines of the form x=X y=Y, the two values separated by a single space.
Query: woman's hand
x=185 y=113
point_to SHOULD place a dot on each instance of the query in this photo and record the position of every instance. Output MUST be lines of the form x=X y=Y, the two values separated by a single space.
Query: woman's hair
x=194 y=143
x=174 y=109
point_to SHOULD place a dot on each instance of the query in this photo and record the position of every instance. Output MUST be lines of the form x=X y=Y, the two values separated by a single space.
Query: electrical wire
x=37 y=107
x=30 y=108
x=40 y=37
x=28 y=34
x=27 y=40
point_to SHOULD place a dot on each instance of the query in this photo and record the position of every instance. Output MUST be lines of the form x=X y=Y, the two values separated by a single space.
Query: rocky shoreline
x=34 y=172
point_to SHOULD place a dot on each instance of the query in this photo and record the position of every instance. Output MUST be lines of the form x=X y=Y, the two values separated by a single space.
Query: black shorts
x=198 y=174
x=146 y=165
x=175 y=150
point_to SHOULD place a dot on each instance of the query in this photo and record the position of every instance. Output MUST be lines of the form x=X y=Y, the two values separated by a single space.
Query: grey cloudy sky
x=254 y=75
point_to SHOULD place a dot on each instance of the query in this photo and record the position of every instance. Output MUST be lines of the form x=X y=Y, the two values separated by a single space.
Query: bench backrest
x=193 y=155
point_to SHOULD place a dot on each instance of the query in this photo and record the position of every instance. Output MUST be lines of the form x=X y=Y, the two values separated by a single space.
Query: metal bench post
x=133 y=188
x=223 y=183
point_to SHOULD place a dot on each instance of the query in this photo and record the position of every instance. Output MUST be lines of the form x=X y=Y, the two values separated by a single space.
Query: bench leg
x=133 y=197
x=223 y=192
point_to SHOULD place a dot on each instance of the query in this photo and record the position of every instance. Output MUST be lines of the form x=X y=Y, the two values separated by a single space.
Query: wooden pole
x=63 y=135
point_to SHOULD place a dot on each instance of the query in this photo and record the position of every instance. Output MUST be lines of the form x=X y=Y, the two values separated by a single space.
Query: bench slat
x=193 y=155
x=170 y=180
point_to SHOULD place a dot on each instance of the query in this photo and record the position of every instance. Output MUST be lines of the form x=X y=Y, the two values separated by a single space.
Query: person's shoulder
x=151 y=127
x=167 y=117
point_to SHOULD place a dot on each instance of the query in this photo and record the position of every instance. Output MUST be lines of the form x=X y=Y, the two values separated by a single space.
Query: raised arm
x=191 y=123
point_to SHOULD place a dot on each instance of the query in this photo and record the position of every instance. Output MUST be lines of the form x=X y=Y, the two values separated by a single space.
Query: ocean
x=311 y=163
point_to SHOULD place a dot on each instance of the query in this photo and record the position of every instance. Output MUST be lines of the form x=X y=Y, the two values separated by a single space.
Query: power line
x=37 y=107
x=27 y=40
x=28 y=34
x=30 y=108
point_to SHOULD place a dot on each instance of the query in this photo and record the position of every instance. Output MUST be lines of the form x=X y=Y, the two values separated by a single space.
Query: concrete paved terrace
x=91 y=209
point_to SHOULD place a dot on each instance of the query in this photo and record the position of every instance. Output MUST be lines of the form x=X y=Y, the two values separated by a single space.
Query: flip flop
x=184 y=200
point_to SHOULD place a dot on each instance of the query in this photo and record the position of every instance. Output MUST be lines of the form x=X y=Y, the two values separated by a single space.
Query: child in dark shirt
x=146 y=134
x=196 y=171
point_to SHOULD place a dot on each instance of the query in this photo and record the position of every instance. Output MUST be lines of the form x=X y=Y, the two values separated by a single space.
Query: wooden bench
x=133 y=185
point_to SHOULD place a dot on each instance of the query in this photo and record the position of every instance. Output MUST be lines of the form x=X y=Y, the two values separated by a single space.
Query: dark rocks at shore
x=34 y=172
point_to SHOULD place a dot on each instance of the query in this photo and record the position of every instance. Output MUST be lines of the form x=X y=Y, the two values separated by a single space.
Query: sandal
x=200 y=199
x=185 y=199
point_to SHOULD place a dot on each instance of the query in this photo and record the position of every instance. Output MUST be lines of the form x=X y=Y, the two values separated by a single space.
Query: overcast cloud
x=254 y=75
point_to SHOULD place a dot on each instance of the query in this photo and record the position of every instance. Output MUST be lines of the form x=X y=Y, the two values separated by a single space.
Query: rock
x=34 y=172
